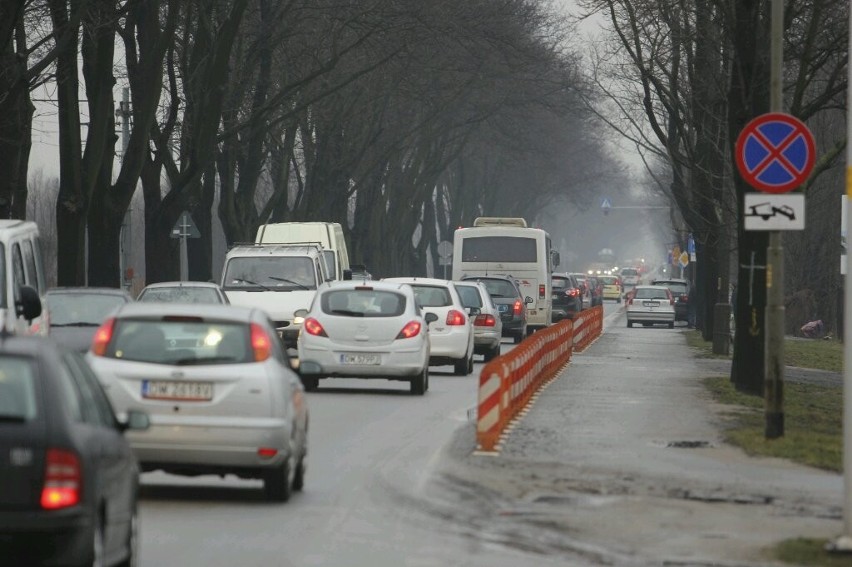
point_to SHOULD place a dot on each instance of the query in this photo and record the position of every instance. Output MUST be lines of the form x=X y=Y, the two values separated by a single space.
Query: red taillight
x=266 y=452
x=541 y=290
x=485 y=321
x=516 y=310
x=455 y=318
x=260 y=343
x=62 y=480
x=684 y=298
x=573 y=292
x=411 y=329
x=313 y=327
x=102 y=337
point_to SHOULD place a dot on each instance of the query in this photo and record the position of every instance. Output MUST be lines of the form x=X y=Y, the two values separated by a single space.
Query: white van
x=278 y=278
x=23 y=282
x=327 y=234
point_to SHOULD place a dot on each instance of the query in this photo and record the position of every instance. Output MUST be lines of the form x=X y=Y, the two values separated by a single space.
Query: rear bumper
x=40 y=538
x=399 y=363
x=650 y=316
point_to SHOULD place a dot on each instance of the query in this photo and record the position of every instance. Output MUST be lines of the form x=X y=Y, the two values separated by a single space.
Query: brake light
x=455 y=318
x=266 y=452
x=313 y=327
x=684 y=298
x=62 y=480
x=541 y=290
x=630 y=300
x=485 y=321
x=102 y=337
x=516 y=309
x=573 y=292
x=411 y=329
x=260 y=343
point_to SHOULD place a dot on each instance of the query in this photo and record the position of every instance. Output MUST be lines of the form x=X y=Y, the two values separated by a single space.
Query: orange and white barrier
x=588 y=325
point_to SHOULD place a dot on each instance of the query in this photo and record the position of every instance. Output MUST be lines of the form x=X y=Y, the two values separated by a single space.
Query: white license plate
x=502 y=308
x=362 y=359
x=168 y=390
x=651 y=304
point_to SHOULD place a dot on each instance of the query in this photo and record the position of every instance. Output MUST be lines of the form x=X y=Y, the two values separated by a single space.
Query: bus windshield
x=499 y=249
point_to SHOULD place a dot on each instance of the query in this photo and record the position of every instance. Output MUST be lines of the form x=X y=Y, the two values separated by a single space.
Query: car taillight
x=411 y=329
x=62 y=480
x=630 y=301
x=313 y=327
x=516 y=309
x=455 y=318
x=266 y=452
x=260 y=343
x=541 y=290
x=573 y=292
x=684 y=298
x=102 y=337
x=484 y=321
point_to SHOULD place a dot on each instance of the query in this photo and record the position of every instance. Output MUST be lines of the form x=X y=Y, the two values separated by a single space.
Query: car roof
x=382 y=285
x=87 y=291
x=651 y=287
x=206 y=310
x=669 y=280
x=417 y=280
x=490 y=277
x=182 y=284
x=253 y=250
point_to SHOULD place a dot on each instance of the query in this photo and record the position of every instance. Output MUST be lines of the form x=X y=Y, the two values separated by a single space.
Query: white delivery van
x=328 y=234
x=22 y=285
x=278 y=278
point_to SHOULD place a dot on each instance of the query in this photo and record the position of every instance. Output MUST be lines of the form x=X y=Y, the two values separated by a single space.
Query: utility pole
x=125 y=237
x=773 y=382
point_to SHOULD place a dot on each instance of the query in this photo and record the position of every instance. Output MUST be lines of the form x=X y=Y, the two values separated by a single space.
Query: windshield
x=363 y=303
x=432 y=296
x=498 y=288
x=499 y=249
x=469 y=296
x=651 y=293
x=328 y=260
x=17 y=389
x=81 y=308
x=277 y=273
x=180 y=294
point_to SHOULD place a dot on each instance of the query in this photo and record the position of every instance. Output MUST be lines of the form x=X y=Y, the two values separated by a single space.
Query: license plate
x=651 y=304
x=502 y=308
x=168 y=390
x=361 y=359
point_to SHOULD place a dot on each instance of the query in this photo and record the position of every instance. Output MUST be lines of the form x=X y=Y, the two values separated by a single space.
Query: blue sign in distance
x=690 y=245
x=775 y=152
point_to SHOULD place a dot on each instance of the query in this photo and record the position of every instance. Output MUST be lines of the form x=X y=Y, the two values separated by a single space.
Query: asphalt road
x=372 y=448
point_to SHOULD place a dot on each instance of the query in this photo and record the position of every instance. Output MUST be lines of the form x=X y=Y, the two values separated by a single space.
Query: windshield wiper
x=77 y=324
x=241 y=280
x=347 y=312
x=204 y=360
x=12 y=419
x=285 y=280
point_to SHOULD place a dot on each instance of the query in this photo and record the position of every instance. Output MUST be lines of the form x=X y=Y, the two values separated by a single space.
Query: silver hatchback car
x=487 y=325
x=217 y=385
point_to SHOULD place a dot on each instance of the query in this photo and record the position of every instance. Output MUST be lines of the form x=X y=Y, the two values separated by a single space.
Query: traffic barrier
x=507 y=383
x=588 y=325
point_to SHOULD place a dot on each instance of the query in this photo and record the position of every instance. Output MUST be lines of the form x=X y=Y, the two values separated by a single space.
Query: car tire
x=618 y=300
x=311 y=383
x=629 y=324
x=299 y=477
x=517 y=338
x=671 y=325
x=277 y=484
x=132 y=559
x=493 y=353
x=418 y=383
x=97 y=551
x=462 y=366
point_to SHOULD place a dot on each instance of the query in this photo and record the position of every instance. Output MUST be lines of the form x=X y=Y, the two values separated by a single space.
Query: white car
x=650 y=304
x=630 y=277
x=367 y=330
x=452 y=333
x=487 y=326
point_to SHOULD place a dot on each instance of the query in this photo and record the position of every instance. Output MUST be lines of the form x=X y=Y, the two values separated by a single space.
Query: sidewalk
x=620 y=461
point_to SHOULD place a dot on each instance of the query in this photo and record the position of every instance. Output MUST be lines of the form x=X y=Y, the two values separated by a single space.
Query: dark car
x=567 y=296
x=595 y=290
x=68 y=479
x=680 y=289
x=77 y=312
x=509 y=300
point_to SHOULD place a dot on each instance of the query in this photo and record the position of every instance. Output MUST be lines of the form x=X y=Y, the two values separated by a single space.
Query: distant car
x=68 y=478
x=218 y=386
x=183 y=292
x=630 y=277
x=487 y=325
x=77 y=312
x=369 y=329
x=585 y=287
x=611 y=287
x=567 y=296
x=649 y=305
x=595 y=290
x=507 y=296
x=451 y=335
x=680 y=289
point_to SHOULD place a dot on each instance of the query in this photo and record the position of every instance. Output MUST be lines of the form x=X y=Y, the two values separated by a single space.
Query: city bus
x=507 y=246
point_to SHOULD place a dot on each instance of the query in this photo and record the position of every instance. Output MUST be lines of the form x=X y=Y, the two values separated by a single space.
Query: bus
x=507 y=246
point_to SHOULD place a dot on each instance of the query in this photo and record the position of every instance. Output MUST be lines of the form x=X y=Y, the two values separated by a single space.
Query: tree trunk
x=200 y=250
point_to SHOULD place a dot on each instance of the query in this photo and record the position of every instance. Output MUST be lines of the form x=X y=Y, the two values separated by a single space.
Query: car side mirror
x=29 y=304
x=430 y=318
x=529 y=300
x=474 y=311
x=135 y=421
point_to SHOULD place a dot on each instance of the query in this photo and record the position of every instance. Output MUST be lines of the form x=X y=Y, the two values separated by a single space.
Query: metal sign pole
x=184 y=259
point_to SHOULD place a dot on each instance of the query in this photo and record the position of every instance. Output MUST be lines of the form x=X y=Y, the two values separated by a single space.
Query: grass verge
x=811 y=552
x=813 y=428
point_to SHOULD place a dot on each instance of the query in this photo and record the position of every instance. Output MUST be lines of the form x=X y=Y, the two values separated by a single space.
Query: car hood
x=279 y=305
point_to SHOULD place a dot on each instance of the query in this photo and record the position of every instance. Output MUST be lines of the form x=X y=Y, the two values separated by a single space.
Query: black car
x=68 y=478
x=567 y=296
x=680 y=292
x=507 y=296
x=75 y=313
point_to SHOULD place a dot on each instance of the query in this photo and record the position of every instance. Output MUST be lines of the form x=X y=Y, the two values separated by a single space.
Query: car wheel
x=629 y=324
x=132 y=542
x=277 y=483
x=517 y=338
x=671 y=324
x=418 y=383
x=470 y=364
x=618 y=300
x=97 y=549
x=462 y=367
x=311 y=383
x=426 y=371
x=299 y=477
x=493 y=353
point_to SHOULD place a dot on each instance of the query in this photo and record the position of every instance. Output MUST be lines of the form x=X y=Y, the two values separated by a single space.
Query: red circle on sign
x=753 y=167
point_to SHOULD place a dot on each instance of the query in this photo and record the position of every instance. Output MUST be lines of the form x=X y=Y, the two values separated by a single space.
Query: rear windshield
x=276 y=273
x=676 y=287
x=363 y=303
x=629 y=272
x=432 y=296
x=179 y=295
x=651 y=293
x=499 y=249
x=609 y=280
x=498 y=288
x=560 y=283
x=67 y=309
x=17 y=389
x=180 y=341
x=469 y=296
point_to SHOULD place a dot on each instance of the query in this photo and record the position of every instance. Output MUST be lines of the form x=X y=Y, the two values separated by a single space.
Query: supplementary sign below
x=774 y=212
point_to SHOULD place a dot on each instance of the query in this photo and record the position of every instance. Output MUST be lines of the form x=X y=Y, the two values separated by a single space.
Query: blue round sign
x=775 y=152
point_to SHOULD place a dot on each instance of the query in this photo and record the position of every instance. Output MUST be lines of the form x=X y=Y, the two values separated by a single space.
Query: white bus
x=507 y=246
